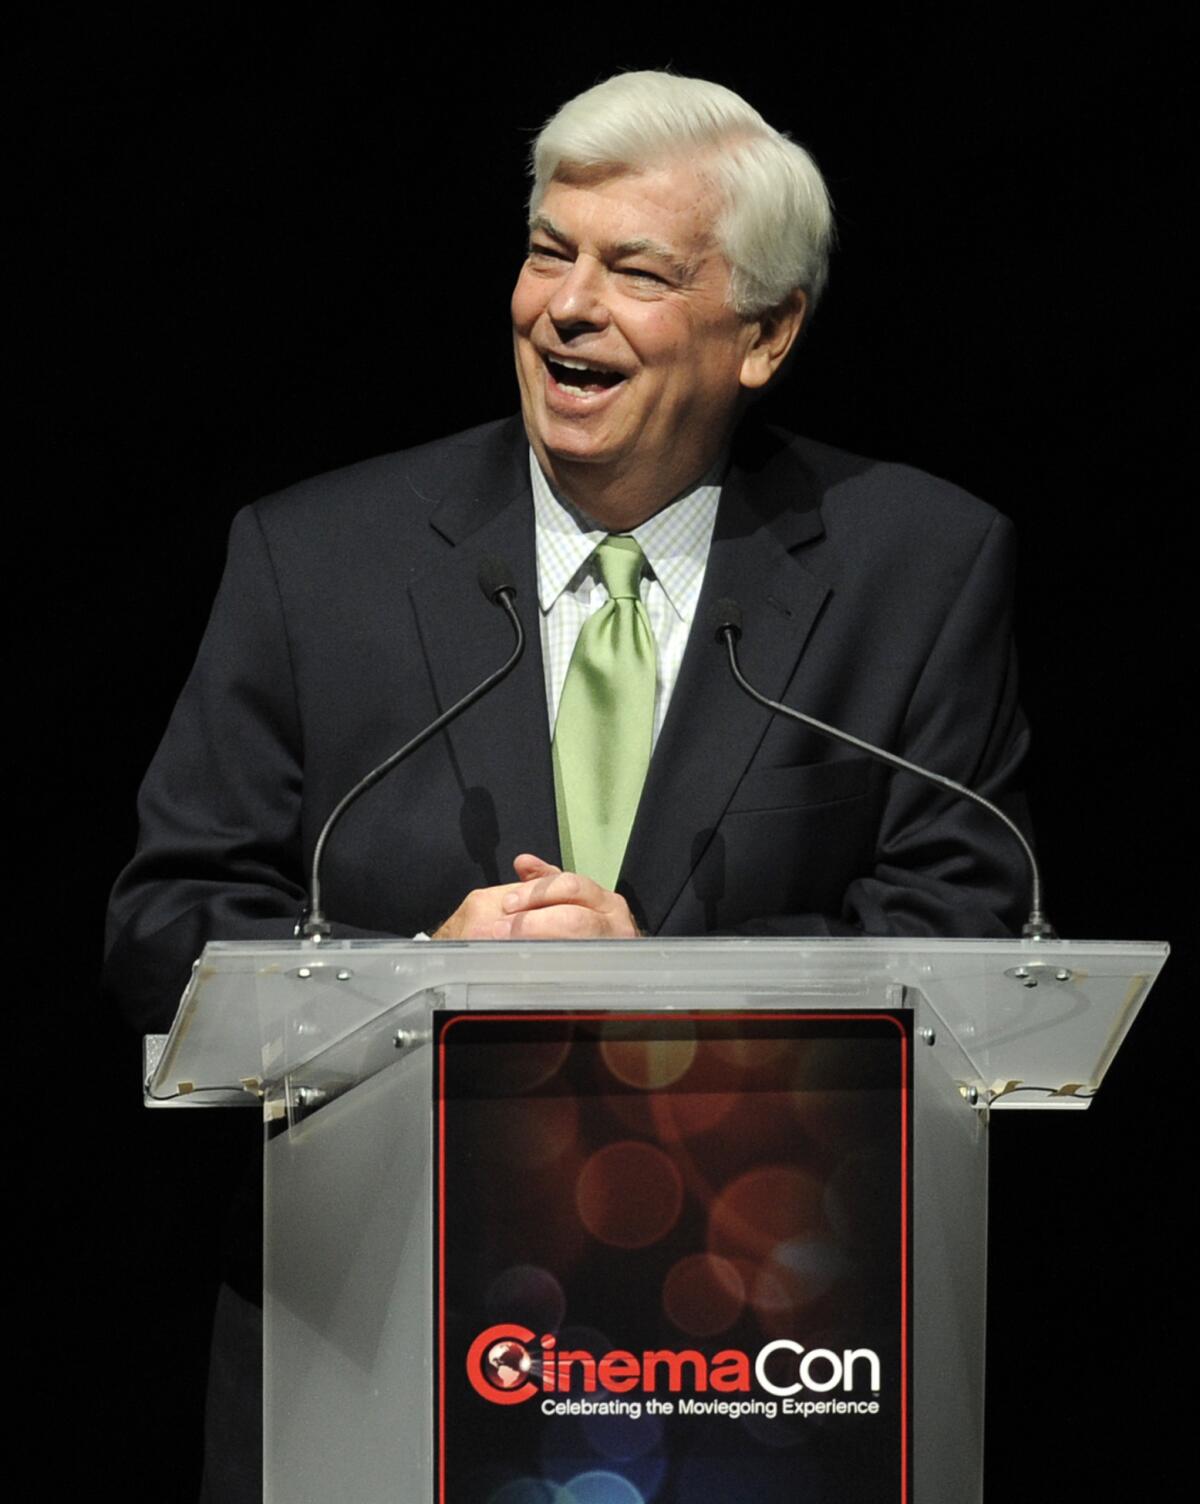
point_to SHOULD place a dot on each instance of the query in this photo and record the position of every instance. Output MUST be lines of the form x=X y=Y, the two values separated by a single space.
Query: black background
x=261 y=251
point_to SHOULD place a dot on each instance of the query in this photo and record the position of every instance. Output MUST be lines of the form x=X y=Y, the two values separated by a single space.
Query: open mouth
x=579 y=378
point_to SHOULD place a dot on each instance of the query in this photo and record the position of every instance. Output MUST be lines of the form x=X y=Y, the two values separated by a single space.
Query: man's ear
x=776 y=333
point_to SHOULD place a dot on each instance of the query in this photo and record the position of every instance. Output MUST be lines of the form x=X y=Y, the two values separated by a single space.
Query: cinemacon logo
x=507 y=1365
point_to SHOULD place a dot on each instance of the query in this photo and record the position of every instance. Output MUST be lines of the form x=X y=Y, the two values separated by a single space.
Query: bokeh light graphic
x=629 y=1194
x=671 y=1116
x=603 y=1488
x=572 y=1445
x=841 y=1122
x=527 y=1294
x=798 y=1273
x=759 y=1221
x=501 y=1071
x=817 y=1263
x=753 y=1214
x=533 y=1133
x=620 y=1438
x=705 y=1479
x=752 y=1054
x=636 y=1054
x=703 y=1294
x=530 y=1491
x=693 y=1102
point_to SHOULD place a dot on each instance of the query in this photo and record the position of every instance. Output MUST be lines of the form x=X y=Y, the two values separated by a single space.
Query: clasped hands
x=545 y=903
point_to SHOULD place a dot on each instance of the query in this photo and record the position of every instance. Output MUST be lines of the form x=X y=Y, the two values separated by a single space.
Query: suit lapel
x=712 y=728
x=500 y=748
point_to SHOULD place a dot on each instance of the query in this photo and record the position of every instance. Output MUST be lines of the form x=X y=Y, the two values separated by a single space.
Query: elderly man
x=618 y=782
x=677 y=243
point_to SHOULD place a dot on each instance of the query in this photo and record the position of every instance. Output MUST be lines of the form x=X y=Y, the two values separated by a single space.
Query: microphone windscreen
x=727 y=616
x=495 y=577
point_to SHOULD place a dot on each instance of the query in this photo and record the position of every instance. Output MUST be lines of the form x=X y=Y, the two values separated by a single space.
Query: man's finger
x=555 y=888
x=527 y=867
x=560 y=921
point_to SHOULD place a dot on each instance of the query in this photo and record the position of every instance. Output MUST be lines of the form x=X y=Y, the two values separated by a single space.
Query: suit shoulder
x=401 y=489
x=853 y=490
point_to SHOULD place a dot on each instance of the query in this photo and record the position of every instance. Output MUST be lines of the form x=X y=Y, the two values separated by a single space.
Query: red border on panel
x=704 y=1014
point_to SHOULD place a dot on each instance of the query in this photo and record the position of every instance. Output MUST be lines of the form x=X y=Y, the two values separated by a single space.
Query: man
x=677 y=243
x=618 y=783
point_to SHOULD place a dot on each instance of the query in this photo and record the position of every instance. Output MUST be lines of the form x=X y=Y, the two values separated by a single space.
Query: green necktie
x=605 y=726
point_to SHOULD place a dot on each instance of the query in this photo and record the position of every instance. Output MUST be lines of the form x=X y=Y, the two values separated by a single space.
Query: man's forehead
x=667 y=210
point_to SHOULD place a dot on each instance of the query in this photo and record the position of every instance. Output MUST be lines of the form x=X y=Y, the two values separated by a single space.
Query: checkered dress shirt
x=675 y=542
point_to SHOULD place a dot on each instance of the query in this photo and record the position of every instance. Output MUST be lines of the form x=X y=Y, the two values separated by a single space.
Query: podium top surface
x=1036 y=1022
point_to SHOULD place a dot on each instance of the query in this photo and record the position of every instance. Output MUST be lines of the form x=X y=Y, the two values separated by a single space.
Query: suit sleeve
x=939 y=865
x=220 y=847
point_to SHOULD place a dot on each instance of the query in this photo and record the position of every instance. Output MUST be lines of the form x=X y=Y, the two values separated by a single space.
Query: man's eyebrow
x=543 y=222
x=685 y=270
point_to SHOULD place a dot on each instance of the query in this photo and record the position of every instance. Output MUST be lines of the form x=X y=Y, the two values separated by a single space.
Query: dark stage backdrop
x=263 y=252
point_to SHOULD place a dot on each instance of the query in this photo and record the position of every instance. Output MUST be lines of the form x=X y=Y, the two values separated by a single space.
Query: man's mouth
x=579 y=378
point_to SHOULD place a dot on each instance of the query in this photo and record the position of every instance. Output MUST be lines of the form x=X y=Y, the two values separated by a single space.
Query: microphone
x=496 y=582
x=727 y=617
x=495 y=578
x=727 y=620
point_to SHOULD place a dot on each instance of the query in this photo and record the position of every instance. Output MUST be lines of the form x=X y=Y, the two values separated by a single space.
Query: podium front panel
x=575 y=1253
x=672 y=1255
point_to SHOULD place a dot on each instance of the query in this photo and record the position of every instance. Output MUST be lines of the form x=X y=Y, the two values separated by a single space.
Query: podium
x=622 y=1222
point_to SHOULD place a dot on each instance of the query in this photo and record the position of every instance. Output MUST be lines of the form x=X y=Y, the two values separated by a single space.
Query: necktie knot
x=621 y=561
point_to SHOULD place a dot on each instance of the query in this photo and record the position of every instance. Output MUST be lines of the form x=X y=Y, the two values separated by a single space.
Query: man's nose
x=579 y=301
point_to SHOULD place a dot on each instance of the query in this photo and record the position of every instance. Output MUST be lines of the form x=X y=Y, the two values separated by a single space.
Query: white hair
x=776 y=228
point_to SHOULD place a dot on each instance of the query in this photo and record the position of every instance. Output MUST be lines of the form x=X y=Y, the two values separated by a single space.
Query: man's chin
x=557 y=448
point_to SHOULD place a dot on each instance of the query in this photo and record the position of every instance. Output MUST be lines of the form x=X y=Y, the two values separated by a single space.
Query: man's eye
x=549 y=252
x=643 y=274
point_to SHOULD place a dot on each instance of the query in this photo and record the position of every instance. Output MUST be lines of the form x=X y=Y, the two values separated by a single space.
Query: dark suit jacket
x=875 y=597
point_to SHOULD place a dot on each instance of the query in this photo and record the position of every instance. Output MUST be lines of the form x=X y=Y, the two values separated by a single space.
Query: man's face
x=628 y=354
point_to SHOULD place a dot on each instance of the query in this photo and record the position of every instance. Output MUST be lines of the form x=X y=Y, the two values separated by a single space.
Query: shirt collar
x=675 y=541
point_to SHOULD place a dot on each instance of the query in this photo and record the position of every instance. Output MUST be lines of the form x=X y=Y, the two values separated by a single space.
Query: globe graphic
x=508 y=1364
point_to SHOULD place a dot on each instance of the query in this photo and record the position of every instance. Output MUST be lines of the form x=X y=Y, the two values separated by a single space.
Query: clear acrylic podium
x=620 y=1222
